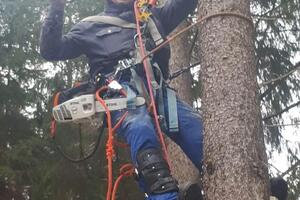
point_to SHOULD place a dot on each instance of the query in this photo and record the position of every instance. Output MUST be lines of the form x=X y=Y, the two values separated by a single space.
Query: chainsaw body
x=86 y=106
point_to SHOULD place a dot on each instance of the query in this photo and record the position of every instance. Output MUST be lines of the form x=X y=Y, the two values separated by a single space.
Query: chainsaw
x=79 y=103
x=84 y=107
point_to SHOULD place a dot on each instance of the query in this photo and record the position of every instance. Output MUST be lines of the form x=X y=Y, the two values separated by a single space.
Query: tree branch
x=282 y=111
x=273 y=9
x=269 y=11
x=270 y=18
x=294 y=166
x=277 y=125
x=276 y=81
x=297 y=67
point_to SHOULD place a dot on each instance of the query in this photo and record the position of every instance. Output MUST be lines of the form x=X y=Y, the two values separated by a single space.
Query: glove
x=58 y=3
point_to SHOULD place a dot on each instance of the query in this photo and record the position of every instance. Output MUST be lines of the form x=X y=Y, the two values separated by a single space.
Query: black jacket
x=105 y=44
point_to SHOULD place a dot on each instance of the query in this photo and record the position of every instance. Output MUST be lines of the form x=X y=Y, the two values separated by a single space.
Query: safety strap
x=139 y=85
x=161 y=110
x=172 y=125
x=116 y=21
x=172 y=110
x=156 y=36
x=131 y=97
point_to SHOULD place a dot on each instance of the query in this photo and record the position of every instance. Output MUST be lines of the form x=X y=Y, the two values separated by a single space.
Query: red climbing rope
x=152 y=99
x=125 y=171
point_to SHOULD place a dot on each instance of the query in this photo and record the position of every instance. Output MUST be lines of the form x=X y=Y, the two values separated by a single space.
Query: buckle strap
x=163 y=185
x=131 y=97
x=172 y=110
x=137 y=81
x=105 y=19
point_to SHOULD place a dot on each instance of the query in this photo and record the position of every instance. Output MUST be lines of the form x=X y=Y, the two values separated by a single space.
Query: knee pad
x=155 y=172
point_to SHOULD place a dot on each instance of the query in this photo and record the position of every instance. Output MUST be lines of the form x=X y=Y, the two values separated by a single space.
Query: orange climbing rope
x=53 y=122
x=127 y=169
x=110 y=153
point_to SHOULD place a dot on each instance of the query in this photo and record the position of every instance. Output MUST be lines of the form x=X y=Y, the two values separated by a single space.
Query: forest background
x=30 y=165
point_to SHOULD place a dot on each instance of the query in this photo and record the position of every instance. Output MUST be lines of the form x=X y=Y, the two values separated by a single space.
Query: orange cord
x=125 y=171
x=110 y=152
x=120 y=121
x=53 y=122
x=143 y=54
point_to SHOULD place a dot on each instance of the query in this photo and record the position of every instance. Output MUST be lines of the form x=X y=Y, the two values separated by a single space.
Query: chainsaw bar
x=85 y=106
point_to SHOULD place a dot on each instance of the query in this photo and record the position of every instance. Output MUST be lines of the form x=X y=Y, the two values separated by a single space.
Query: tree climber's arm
x=53 y=45
x=174 y=12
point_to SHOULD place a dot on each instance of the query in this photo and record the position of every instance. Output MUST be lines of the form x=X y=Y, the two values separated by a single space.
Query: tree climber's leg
x=190 y=135
x=190 y=139
x=154 y=173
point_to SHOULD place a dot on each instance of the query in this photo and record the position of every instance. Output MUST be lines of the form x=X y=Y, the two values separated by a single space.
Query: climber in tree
x=105 y=45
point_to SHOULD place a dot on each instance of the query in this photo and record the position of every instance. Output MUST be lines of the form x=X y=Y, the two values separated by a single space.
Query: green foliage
x=278 y=33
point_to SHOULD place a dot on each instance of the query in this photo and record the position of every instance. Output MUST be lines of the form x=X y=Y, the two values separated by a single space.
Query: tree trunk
x=181 y=58
x=235 y=158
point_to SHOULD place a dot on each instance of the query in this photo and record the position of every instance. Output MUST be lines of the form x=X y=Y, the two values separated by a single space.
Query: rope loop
x=199 y=21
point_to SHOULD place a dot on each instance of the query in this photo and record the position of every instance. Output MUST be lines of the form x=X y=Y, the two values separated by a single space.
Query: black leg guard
x=154 y=170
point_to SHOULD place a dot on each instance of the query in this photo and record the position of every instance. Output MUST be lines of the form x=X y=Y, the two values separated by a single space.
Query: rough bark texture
x=234 y=148
x=181 y=58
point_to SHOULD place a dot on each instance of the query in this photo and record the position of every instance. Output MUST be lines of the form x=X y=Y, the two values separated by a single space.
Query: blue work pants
x=139 y=132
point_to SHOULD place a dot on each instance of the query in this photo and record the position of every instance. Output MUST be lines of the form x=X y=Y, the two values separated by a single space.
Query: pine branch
x=296 y=68
x=272 y=10
x=282 y=111
x=294 y=166
x=269 y=18
x=273 y=83
x=278 y=125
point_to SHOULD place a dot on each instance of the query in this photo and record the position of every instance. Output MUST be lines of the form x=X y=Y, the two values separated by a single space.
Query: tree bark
x=183 y=85
x=235 y=157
